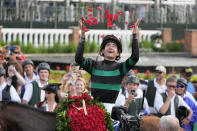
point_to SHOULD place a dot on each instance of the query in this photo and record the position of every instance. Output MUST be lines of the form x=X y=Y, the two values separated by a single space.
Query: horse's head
x=21 y=117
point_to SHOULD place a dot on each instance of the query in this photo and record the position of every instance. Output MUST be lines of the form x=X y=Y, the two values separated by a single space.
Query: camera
x=132 y=92
x=127 y=122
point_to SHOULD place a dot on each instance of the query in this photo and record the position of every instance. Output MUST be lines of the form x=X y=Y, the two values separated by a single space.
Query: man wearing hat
x=106 y=75
x=34 y=91
x=51 y=102
x=7 y=92
x=29 y=74
x=168 y=102
x=187 y=74
x=133 y=98
x=152 y=87
x=181 y=91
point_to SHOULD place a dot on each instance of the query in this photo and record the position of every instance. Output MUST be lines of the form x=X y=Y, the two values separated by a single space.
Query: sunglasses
x=171 y=86
x=180 y=86
x=159 y=72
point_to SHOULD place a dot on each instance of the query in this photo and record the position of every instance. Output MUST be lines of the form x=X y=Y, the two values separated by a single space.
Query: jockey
x=33 y=92
x=7 y=92
x=168 y=102
x=180 y=90
x=51 y=102
x=133 y=98
x=106 y=75
x=29 y=74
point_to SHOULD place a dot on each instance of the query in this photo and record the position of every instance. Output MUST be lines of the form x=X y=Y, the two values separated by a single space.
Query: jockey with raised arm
x=106 y=75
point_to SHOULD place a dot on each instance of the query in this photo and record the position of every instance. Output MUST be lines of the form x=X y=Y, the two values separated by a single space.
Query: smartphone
x=132 y=92
x=12 y=48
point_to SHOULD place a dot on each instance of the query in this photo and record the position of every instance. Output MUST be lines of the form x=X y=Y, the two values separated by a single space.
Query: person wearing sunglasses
x=168 y=102
x=181 y=91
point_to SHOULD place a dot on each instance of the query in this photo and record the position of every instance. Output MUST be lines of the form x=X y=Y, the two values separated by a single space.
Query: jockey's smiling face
x=44 y=75
x=110 y=51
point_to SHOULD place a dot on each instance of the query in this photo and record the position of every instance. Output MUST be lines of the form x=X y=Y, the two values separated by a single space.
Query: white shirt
x=121 y=99
x=54 y=105
x=13 y=94
x=160 y=89
x=159 y=103
x=35 y=77
x=29 y=92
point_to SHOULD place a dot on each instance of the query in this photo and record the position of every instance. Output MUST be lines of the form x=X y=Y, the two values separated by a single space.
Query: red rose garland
x=71 y=115
x=94 y=118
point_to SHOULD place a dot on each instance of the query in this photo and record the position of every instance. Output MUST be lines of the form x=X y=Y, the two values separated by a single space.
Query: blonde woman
x=81 y=86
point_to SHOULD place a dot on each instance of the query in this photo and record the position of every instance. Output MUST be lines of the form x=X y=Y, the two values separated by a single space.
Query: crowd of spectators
x=22 y=82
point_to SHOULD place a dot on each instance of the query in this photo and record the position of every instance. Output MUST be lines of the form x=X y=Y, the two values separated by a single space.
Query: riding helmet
x=26 y=62
x=43 y=66
x=111 y=38
x=132 y=79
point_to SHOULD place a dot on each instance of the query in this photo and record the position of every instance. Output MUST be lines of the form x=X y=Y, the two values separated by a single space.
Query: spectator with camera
x=168 y=102
x=14 y=78
x=133 y=98
x=180 y=90
x=14 y=56
x=7 y=91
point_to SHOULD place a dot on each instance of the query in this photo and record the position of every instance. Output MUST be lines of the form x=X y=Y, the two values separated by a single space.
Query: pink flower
x=120 y=13
x=99 y=7
x=115 y=16
x=106 y=11
x=90 y=10
x=132 y=26
x=90 y=15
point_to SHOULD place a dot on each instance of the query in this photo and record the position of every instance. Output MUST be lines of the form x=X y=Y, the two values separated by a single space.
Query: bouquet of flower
x=84 y=114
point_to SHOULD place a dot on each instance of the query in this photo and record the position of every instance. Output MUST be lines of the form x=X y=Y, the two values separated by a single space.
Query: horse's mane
x=11 y=103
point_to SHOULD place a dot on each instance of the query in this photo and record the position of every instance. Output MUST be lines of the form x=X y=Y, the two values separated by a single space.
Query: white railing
x=124 y=35
x=37 y=37
x=47 y=37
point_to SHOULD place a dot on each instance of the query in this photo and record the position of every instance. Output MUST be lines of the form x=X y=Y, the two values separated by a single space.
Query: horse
x=20 y=117
x=149 y=123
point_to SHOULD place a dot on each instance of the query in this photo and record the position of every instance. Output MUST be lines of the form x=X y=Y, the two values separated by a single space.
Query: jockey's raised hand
x=83 y=29
x=135 y=29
